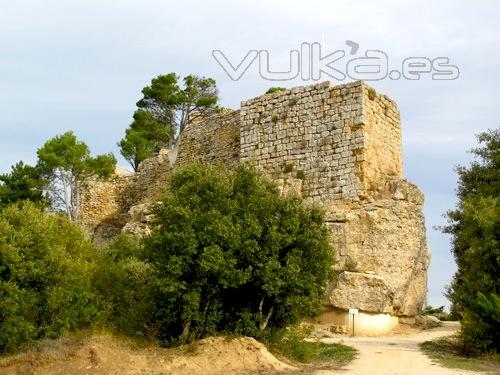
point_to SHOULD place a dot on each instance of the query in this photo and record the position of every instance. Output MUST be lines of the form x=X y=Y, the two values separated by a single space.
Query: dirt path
x=395 y=355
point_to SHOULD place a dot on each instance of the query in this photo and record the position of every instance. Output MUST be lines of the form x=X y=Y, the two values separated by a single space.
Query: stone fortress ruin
x=339 y=146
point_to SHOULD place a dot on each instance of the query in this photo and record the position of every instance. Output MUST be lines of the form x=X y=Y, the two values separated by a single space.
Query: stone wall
x=215 y=140
x=306 y=133
x=339 y=146
x=108 y=206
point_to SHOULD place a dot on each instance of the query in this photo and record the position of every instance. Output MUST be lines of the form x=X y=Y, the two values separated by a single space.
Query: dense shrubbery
x=124 y=283
x=228 y=253
x=232 y=254
x=475 y=229
x=46 y=268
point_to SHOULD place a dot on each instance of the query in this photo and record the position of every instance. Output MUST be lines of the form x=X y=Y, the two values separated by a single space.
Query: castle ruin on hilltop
x=339 y=146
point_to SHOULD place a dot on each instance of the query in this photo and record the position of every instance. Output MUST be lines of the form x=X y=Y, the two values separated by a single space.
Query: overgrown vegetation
x=227 y=254
x=232 y=254
x=24 y=182
x=475 y=229
x=291 y=343
x=46 y=268
x=449 y=352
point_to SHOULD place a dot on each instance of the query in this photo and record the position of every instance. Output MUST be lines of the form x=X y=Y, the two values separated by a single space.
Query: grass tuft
x=448 y=352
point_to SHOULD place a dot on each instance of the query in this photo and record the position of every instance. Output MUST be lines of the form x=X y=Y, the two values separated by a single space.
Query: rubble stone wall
x=215 y=140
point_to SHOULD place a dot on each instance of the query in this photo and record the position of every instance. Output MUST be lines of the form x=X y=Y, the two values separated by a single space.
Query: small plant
x=293 y=102
x=372 y=94
x=275 y=119
x=301 y=175
x=287 y=168
x=351 y=265
x=275 y=89
x=291 y=343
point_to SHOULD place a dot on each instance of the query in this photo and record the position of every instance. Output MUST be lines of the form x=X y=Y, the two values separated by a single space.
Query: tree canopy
x=22 y=183
x=475 y=229
x=232 y=254
x=65 y=162
x=143 y=138
x=177 y=106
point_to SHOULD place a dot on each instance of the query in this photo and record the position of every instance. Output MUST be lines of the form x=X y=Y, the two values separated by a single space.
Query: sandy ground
x=105 y=355
x=398 y=354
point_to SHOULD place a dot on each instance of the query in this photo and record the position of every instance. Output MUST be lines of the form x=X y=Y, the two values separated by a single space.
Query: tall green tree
x=65 y=162
x=24 y=182
x=475 y=229
x=143 y=138
x=177 y=106
x=229 y=253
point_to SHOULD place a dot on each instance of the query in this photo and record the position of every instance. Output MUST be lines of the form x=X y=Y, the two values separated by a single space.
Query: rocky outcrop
x=363 y=291
x=337 y=146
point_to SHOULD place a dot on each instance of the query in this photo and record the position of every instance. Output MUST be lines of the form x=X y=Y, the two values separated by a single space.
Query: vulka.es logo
x=309 y=63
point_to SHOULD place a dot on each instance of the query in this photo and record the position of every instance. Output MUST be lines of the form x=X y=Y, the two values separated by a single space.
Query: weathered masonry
x=339 y=146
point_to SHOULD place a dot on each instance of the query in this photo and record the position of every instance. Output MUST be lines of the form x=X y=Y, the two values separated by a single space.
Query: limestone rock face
x=363 y=291
x=385 y=236
x=336 y=146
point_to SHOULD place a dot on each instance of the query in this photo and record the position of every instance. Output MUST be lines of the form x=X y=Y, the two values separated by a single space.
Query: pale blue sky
x=80 y=65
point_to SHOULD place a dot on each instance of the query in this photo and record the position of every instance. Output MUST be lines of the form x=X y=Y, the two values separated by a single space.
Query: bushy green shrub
x=124 y=282
x=46 y=268
x=229 y=253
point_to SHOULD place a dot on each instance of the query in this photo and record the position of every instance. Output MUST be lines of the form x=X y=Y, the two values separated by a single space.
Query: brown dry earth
x=103 y=355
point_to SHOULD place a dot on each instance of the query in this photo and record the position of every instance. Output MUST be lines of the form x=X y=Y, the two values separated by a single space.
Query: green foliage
x=23 y=183
x=46 y=268
x=65 y=162
x=291 y=343
x=124 y=283
x=439 y=313
x=449 y=352
x=275 y=89
x=287 y=167
x=301 y=175
x=143 y=138
x=176 y=107
x=229 y=253
x=351 y=265
x=475 y=229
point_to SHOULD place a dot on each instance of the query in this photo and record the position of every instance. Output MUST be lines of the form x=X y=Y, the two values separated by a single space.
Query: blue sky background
x=81 y=65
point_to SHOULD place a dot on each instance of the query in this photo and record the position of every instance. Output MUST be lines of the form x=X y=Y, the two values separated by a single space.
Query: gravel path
x=395 y=355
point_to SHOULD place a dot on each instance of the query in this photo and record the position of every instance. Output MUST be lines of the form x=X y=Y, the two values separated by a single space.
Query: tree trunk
x=66 y=194
x=185 y=330
x=263 y=325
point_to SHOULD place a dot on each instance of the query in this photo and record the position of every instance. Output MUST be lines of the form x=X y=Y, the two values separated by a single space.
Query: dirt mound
x=107 y=355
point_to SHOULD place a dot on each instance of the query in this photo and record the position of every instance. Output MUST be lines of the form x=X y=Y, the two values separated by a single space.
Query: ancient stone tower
x=339 y=146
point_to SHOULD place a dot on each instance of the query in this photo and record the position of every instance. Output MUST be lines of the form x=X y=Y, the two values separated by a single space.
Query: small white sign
x=353 y=311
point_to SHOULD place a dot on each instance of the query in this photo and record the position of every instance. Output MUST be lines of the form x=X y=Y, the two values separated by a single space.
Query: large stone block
x=366 y=292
